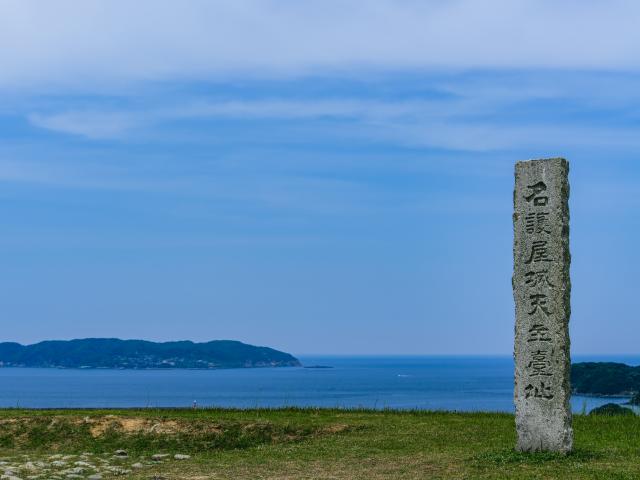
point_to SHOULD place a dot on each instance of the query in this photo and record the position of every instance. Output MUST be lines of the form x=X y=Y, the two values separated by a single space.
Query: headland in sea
x=142 y=354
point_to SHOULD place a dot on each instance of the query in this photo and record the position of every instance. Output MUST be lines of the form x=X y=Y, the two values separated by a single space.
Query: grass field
x=302 y=444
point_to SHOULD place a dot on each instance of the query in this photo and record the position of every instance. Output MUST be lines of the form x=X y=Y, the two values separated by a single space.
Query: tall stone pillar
x=541 y=290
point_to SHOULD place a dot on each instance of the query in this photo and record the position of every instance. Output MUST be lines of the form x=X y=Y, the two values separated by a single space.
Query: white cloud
x=104 y=43
x=90 y=124
x=468 y=123
x=100 y=124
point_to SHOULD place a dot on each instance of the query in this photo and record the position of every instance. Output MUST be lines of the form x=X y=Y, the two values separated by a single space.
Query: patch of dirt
x=132 y=425
x=8 y=421
x=166 y=427
x=337 y=428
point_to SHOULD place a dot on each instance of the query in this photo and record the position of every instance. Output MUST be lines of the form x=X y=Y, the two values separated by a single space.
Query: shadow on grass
x=512 y=457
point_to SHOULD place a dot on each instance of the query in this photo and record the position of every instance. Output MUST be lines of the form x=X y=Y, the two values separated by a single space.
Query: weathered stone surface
x=541 y=289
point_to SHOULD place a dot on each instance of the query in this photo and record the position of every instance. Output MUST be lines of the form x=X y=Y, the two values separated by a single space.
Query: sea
x=460 y=383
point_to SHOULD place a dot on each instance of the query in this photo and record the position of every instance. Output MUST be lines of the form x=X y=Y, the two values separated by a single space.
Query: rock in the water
x=121 y=453
x=611 y=409
x=159 y=456
x=179 y=456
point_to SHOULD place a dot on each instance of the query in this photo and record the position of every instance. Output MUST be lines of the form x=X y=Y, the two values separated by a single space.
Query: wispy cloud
x=90 y=124
x=99 y=124
x=472 y=118
x=110 y=43
x=22 y=172
x=62 y=175
x=285 y=194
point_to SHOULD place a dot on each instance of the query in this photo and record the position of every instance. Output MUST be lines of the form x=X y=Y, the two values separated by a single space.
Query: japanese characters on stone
x=539 y=367
x=541 y=288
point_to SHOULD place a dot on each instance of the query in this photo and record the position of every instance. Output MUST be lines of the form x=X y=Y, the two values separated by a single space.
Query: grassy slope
x=332 y=444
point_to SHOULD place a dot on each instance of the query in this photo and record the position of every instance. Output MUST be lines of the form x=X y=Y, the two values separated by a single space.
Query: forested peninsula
x=605 y=378
x=141 y=354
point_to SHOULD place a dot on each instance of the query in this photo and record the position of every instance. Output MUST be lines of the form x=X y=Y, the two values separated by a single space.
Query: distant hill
x=605 y=378
x=141 y=354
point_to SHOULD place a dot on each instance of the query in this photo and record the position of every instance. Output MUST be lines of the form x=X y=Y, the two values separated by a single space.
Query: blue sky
x=322 y=177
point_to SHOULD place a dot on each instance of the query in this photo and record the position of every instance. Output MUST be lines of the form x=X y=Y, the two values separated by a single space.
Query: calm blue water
x=444 y=383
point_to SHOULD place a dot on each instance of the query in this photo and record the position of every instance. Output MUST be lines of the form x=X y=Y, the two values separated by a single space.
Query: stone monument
x=541 y=290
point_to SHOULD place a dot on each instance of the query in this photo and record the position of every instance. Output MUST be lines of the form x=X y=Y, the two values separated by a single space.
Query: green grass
x=324 y=444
